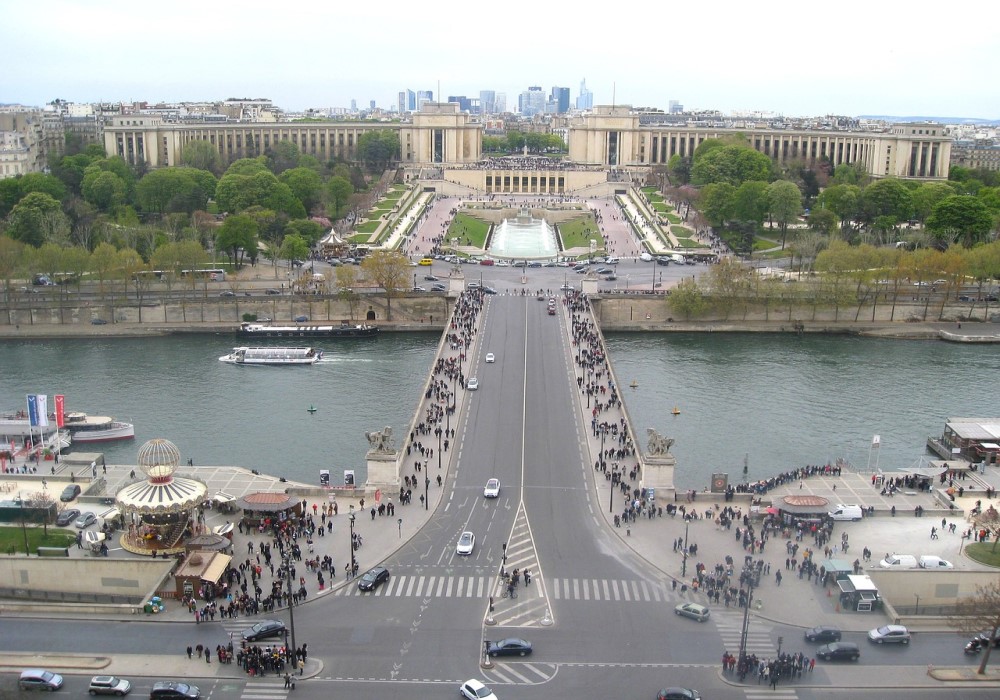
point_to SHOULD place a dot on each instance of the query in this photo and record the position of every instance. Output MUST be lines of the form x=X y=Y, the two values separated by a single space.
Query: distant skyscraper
x=464 y=103
x=354 y=105
x=487 y=102
x=560 y=96
x=411 y=100
x=586 y=98
x=676 y=107
x=531 y=101
x=423 y=96
x=501 y=103
x=371 y=104
x=401 y=101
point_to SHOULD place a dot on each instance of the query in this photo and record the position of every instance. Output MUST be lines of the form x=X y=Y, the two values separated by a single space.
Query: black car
x=839 y=651
x=678 y=694
x=264 y=629
x=512 y=646
x=823 y=634
x=172 y=689
x=373 y=578
x=272 y=291
x=69 y=493
x=67 y=517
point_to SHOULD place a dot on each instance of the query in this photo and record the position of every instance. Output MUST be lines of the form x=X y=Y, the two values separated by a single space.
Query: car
x=899 y=561
x=839 y=651
x=67 y=516
x=431 y=278
x=109 y=685
x=273 y=292
x=466 y=543
x=930 y=561
x=604 y=270
x=889 y=634
x=693 y=610
x=552 y=311
x=174 y=689
x=490 y=358
x=966 y=297
x=85 y=520
x=418 y=289
x=512 y=646
x=426 y=262
x=823 y=634
x=475 y=690
x=663 y=261
x=98 y=322
x=301 y=319
x=473 y=384
x=534 y=263
x=439 y=288
x=646 y=257
x=39 y=679
x=492 y=488
x=297 y=263
x=678 y=694
x=69 y=493
x=488 y=262
x=264 y=629
x=227 y=293
x=373 y=578
x=489 y=290
x=613 y=261
x=580 y=270
x=566 y=287
x=611 y=277
x=520 y=263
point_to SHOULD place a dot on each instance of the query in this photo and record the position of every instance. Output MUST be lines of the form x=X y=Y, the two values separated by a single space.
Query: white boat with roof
x=86 y=428
x=272 y=356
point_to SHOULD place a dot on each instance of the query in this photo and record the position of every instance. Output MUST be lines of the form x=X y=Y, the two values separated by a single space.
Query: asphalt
x=795 y=603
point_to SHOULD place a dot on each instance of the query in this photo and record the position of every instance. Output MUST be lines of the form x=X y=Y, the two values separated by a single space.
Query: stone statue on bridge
x=381 y=441
x=657 y=445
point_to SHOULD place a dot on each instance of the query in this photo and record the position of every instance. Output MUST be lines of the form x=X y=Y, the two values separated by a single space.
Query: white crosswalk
x=730 y=626
x=519 y=673
x=265 y=690
x=764 y=691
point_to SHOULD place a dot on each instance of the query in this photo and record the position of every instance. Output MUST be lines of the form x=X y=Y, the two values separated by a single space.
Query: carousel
x=159 y=511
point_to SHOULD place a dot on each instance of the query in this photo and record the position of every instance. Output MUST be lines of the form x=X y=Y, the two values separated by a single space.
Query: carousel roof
x=176 y=495
x=267 y=502
x=803 y=504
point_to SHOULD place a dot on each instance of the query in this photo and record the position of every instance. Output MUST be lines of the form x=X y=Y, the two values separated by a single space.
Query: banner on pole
x=60 y=410
x=38 y=411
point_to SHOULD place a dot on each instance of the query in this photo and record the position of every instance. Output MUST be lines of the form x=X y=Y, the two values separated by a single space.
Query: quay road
x=608 y=596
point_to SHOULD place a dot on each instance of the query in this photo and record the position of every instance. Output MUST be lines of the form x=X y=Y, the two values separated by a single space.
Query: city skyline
x=754 y=61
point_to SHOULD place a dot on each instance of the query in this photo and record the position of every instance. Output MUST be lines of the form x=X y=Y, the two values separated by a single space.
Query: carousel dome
x=158 y=459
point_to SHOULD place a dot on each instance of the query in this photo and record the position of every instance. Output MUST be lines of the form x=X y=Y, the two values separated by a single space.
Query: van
x=931 y=561
x=426 y=262
x=677 y=258
x=845 y=512
x=899 y=561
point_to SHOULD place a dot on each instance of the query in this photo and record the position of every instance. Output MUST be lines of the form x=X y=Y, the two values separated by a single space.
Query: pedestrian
x=189 y=651
x=208 y=655
x=288 y=680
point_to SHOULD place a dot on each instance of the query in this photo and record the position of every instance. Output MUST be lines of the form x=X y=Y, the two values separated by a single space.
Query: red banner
x=60 y=410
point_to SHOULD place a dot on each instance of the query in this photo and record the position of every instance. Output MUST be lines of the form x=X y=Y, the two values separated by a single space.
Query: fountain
x=524 y=238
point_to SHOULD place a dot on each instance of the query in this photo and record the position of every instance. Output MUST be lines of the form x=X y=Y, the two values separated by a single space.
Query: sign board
x=348 y=477
x=324 y=478
x=719 y=483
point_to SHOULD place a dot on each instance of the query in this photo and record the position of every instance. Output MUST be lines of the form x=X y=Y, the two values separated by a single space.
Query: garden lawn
x=469 y=229
x=578 y=232
x=984 y=552
x=370 y=226
x=12 y=538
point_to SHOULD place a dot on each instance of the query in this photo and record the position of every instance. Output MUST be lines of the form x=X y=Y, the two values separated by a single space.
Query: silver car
x=692 y=610
x=109 y=685
x=466 y=543
x=889 y=634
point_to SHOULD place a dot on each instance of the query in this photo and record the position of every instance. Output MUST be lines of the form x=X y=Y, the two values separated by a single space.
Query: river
x=778 y=400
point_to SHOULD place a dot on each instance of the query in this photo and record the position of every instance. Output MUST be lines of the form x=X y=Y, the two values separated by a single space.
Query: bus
x=215 y=274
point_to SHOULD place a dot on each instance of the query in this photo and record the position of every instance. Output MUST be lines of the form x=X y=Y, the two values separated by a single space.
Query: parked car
x=227 y=293
x=439 y=288
x=301 y=319
x=431 y=278
x=373 y=578
x=264 y=629
x=512 y=646
x=98 y=322
x=69 y=493
x=899 y=561
x=492 y=488
x=490 y=358
x=109 y=685
x=86 y=520
x=475 y=690
x=297 y=263
x=889 y=634
x=693 y=610
x=473 y=384
x=839 y=651
x=678 y=694
x=930 y=561
x=823 y=634
x=67 y=517
x=39 y=679
x=466 y=543
x=272 y=291
x=174 y=689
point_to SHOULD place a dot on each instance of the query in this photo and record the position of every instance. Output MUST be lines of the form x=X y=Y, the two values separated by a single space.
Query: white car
x=646 y=257
x=492 y=488
x=474 y=690
x=930 y=561
x=466 y=543
x=490 y=358
x=472 y=384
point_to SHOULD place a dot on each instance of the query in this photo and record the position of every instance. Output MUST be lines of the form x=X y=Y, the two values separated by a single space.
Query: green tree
x=294 y=247
x=238 y=238
x=926 y=197
x=104 y=263
x=888 y=197
x=687 y=299
x=784 y=202
x=247 y=166
x=103 y=189
x=390 y=271
x=282 y=156
x=679 y=169
x=961 y=218
x=307 y=230
x=717 y=202
x=347 y=278
x=70 y=169
x=823 y=221
x=731 y=164
x=13 y=261
x=339 y=191
x=202 y=155
x=306 y=185
x=979 y=612
x=843 y=200
x=37 y=219
x=376 y=149
x=175 y=190
x=750 y=202
x=849 y=174
x=236 y=193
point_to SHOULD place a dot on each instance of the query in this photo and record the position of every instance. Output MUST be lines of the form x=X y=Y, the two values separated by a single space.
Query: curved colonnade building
x=450 y=141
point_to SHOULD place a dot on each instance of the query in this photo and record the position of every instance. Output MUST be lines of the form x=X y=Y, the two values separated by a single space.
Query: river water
x=778 y=400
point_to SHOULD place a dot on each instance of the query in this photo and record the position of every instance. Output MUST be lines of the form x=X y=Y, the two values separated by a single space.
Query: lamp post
x=684 y=560
x=746 y=613
x=351 y=519
x=399 y=524
x=652 y=282
x=287 y=563
x=427 y=498
x=439 y=431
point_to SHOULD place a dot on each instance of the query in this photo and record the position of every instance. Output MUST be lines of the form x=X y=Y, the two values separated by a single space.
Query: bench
x=53 y=551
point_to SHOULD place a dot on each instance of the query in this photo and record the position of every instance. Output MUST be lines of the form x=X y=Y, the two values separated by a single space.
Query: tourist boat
x=272 y=356
x=16 y=433
x=86 y=428
x=344 y=330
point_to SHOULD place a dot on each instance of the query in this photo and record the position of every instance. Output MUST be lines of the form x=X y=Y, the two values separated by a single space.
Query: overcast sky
x=794 y=58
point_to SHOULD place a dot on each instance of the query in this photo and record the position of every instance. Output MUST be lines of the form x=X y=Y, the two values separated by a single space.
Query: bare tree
x=979 y=613
x=42 y=500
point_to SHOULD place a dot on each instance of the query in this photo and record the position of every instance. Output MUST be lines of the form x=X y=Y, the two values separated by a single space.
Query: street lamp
x=351 y=519
x=652 y=282
x=287 y=563
x=684 y=560
x=439 y=431
x=399 y=524
x=746 y=613
x=427 y=498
